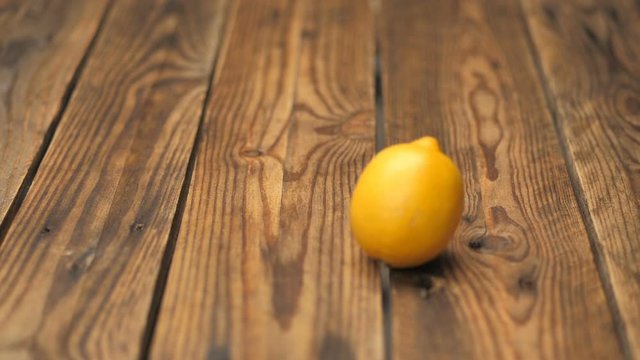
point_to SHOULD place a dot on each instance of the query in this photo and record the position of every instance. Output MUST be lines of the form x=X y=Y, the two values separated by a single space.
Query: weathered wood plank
x=519 y=279
x=265 y=266
x=41 y=46
x=234 y=196
x=325 y=287
x=79 y=264
x=589 y=55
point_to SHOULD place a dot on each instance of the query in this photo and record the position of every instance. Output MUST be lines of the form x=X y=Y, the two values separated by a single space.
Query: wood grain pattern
x=265 y=266
x=80 y=261
x=41 y=45
x=589 y=53
x=519 y=280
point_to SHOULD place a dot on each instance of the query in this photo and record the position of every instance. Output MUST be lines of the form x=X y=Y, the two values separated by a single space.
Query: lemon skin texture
x=407 y=203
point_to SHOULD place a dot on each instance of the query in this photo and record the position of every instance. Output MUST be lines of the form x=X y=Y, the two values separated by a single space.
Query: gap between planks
x=333 y=343
x=385 y=281
x=385 y=271
x=578 y=191
x=518 y=69
x=385 y=276
x=167 y=257
x=18 y=199
x=205 y=67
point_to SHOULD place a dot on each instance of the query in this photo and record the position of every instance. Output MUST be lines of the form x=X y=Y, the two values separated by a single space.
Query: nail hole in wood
x=590 y=34
x=308 y=34
x=476 y=244
x=613 y=15
x=526 y=283
x=550 y=12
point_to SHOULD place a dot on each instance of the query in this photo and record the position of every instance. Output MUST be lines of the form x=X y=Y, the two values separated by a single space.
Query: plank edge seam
x=32 y=171
x=169 y=250
x=586 y=217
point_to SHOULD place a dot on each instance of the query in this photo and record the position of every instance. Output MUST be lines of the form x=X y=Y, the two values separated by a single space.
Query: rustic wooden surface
x=42 y=45
x=520 y=269
x=80 y=261
x=289 y=125
x=589 y=54
x=175 y=177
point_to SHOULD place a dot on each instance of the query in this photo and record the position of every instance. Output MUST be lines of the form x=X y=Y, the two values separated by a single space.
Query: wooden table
x=175 y=178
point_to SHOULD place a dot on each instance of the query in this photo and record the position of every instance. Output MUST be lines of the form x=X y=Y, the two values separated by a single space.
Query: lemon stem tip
x=428 y=142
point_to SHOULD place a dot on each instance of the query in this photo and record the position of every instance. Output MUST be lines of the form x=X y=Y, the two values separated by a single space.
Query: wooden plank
x=265 y=266
x=519 y=280
x=589 y=55
x=41 y=45
x=80 y=262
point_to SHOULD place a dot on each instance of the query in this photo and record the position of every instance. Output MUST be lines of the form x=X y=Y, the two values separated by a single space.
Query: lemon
x=407 y=203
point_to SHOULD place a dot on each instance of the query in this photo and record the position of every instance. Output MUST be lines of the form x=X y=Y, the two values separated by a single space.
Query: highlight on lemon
x=407 y=203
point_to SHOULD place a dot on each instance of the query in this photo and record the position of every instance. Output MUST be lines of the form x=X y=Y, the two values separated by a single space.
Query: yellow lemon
x=407 y=203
